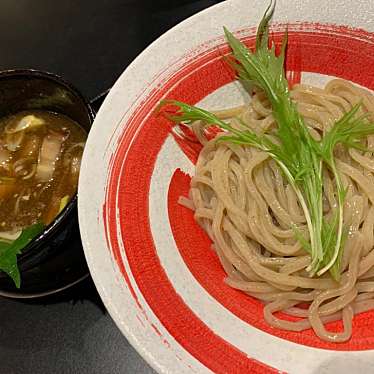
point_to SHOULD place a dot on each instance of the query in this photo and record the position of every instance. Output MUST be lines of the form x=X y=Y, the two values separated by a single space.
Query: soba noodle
x=242 y=201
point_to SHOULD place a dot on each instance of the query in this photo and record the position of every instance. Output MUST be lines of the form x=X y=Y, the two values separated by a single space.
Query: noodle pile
x=242 y=201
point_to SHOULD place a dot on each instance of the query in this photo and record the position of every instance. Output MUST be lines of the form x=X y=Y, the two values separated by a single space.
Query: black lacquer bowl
x=53 y=260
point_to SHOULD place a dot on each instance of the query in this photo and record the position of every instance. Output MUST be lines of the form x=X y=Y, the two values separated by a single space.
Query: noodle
x=242 y=201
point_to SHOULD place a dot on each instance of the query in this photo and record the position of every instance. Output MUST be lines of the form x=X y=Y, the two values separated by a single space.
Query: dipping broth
x=40 y=156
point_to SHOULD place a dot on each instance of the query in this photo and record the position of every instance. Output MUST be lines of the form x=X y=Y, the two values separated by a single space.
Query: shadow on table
x=67 y=317
x=79 y=293
x=57 y=331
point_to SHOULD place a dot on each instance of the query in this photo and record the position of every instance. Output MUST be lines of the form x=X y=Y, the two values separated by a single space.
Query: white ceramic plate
x=152 y=265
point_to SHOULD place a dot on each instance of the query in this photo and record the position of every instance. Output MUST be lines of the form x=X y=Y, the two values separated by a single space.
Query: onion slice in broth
x=26 y=123
x=49 y=154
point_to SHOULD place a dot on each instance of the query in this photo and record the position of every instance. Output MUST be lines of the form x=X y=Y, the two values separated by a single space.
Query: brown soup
x=40 y=156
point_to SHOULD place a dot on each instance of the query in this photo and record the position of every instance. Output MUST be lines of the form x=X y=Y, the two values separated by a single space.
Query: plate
x=151 y=264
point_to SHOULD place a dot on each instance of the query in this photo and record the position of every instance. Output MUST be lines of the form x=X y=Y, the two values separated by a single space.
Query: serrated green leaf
x=9 y=252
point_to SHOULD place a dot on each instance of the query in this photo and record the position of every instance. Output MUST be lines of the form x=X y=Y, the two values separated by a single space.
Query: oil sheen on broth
x=40 y=156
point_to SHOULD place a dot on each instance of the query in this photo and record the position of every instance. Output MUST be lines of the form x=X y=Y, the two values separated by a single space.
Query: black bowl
x=53 y=260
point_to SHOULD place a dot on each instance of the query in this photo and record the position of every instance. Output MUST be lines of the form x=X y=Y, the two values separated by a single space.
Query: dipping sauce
x=40 y=157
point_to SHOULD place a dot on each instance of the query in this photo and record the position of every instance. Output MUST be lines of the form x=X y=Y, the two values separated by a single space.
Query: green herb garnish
x=9 y=251
x=348 y=131
x=298 y=154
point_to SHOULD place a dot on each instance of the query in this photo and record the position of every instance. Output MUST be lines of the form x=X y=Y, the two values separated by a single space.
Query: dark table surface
x=88 y=42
